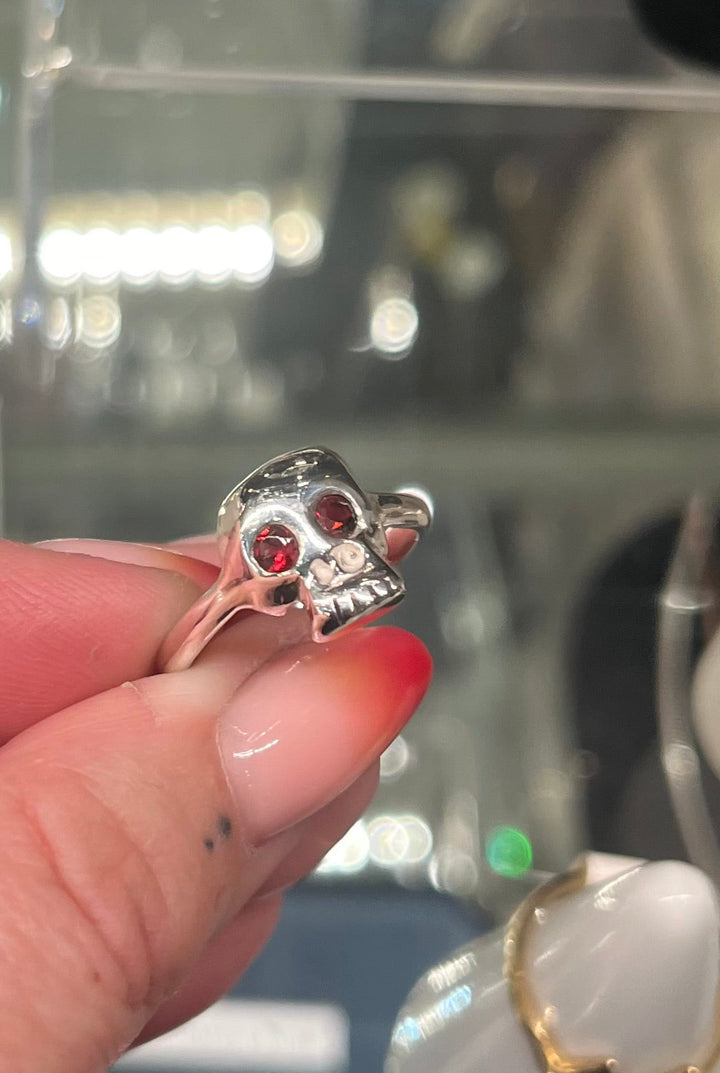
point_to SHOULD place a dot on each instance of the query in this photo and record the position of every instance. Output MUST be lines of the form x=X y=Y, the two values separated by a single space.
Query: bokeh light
x=101 y=256
x=394 y=761
x=139 y=256
x=508 y=851
x=176 y=241
x=253 y=254
x=394 y=326
x=215 y=253
x=58 y=326
x=98 y=321
x=176 y=255
x=298 y=238
x=397 y=840
x=349 y=855
x=60 y=254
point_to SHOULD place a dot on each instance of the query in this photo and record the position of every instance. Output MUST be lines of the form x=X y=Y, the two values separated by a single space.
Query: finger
x=75 y=625
x=221 y=963
x=161 y=557
x=201 y=547
x=128 y=822
x=400 y=543
x=228 y=954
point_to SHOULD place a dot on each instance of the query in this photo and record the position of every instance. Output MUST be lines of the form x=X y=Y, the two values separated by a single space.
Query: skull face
x=308 y=534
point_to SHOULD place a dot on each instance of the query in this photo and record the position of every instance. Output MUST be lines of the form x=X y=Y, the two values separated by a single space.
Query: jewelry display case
x=471 y=245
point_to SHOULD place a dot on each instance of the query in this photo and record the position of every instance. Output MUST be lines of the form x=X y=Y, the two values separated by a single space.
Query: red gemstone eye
x=335 y=514
x=275 y=549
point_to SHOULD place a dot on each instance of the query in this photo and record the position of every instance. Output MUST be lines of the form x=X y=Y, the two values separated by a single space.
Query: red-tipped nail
x=308 y=723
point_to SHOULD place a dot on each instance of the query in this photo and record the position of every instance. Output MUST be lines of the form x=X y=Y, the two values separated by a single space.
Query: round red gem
x=335 y=515
x=275 y=549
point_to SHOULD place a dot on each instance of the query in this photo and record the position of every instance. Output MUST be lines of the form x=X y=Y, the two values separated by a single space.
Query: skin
x=144 y=845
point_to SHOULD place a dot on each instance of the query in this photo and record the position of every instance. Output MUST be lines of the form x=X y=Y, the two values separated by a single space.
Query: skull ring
x=299 y=532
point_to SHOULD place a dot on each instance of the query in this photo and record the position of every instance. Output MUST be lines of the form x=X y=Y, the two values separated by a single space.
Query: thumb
x=134 y=826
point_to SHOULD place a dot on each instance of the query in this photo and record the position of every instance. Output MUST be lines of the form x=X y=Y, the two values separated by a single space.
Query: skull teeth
x=363 y=597
x=345 y=604
x=360 y=599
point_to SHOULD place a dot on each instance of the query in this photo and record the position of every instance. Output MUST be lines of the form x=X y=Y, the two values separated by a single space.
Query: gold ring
x=532 y=1014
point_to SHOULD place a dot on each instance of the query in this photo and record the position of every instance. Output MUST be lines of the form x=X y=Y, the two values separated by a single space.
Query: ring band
x=300 y=532
x=531 y=1012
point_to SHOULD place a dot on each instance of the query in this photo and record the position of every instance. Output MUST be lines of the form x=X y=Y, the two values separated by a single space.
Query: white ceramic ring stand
x=626 y=968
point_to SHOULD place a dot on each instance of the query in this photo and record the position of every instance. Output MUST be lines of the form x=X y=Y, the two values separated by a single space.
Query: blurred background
x=472 y=245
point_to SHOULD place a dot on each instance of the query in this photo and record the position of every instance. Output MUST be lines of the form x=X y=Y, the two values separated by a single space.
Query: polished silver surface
x=337 y=568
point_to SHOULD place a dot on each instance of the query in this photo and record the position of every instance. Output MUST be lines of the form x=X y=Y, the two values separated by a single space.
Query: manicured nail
x=310 y=721
x=119 y=551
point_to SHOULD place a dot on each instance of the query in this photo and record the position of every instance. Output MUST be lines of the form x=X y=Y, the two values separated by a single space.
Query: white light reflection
x=215 y=254
x=99 y=321
x=298 y=238
x=176 y=255
x=58 y=326
x=412 y=1030
x=349 y=855
x=397 y=840
x=60 y=254
x=253 y=254
x=451 y=971
x=139 y=256
x=6 y=256
x=420 y=492
x=101 y=255
x=394 y=761
x=455 y=871
x=394 y=327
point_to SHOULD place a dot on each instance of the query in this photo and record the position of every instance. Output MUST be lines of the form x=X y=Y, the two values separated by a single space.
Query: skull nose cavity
x=349 y=556
x=322 y=572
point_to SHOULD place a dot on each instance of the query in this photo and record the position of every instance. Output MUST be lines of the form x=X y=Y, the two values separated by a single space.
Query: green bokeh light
x=508 y=851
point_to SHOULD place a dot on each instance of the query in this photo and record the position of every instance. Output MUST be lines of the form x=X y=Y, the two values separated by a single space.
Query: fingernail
x=308 y=723
x=119 y=551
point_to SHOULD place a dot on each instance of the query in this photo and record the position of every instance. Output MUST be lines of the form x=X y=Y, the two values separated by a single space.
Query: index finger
x=73 y=625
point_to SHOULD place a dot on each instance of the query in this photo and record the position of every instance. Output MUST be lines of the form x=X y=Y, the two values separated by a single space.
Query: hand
x=149 y=822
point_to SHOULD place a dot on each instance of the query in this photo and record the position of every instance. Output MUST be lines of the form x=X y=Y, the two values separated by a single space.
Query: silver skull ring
x=300 y=532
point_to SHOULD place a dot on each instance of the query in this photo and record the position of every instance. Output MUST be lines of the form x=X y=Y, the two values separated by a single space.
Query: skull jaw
x=330 y=613
x=334 y=612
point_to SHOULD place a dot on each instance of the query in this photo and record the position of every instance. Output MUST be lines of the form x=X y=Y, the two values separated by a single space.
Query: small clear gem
x=335 y=515
x=275 y=549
